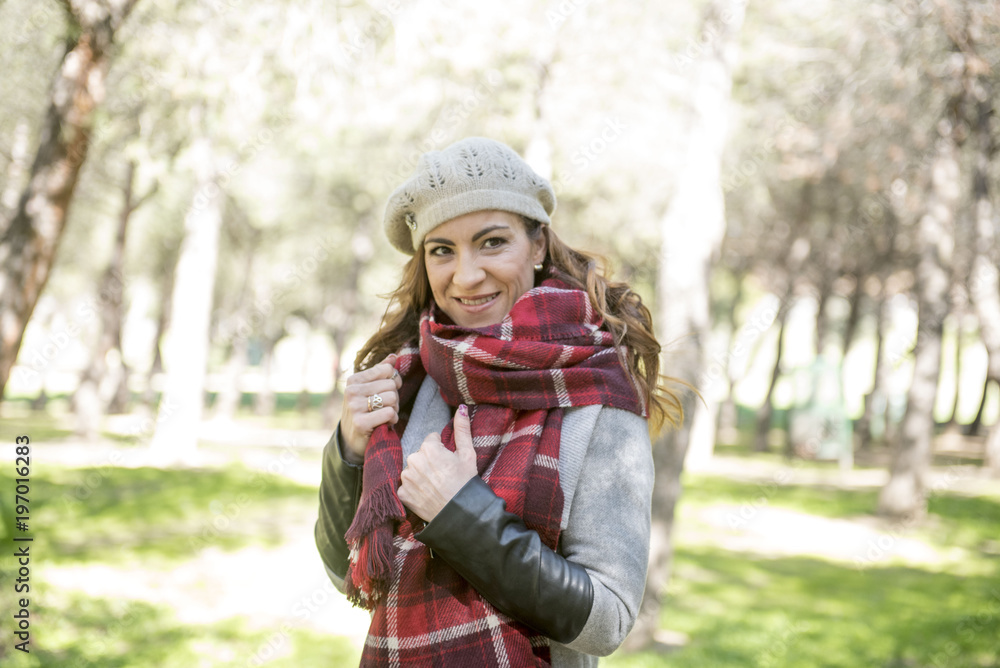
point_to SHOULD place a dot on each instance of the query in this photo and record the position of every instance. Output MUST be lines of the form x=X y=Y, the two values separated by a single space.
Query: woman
x=487 y=492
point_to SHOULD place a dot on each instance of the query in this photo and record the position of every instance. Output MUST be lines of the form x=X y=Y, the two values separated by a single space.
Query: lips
x=476 y=300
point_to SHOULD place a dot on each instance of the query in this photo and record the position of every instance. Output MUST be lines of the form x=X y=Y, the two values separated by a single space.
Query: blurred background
x=191 y=199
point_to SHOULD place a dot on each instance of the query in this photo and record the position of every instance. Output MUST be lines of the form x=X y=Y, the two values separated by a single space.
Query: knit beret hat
x=473 y=174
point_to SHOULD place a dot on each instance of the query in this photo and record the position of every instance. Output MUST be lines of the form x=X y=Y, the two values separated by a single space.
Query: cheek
x=437 y=280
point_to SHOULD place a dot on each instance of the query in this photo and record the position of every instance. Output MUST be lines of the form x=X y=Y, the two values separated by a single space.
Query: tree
x=692 y=231
x=30 y=240
x=187 y=353
x=904 y=493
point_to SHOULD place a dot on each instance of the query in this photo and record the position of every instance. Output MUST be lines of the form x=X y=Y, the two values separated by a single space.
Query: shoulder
x=602 y=427
x=620 y=440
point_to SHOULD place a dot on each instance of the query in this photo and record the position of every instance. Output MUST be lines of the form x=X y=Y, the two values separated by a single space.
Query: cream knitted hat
x=473 y=174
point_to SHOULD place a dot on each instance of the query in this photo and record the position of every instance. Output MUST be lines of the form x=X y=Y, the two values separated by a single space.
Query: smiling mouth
x=478 y=301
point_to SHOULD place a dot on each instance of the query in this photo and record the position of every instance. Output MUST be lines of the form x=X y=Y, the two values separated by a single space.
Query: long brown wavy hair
x=622 y=310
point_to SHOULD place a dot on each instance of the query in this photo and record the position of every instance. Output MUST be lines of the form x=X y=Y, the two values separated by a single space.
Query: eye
x=494 y=242
x=439 y=251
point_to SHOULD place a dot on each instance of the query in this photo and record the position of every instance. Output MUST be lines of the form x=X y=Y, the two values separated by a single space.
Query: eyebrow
x=475 y=237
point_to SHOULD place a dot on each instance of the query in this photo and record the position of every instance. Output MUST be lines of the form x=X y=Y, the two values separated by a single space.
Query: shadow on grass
x=798 y=612
x=102 y=633
x=109 y=513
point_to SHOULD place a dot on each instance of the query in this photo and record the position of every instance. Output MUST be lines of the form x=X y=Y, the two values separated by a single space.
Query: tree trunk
x=972 y=429
x=904 y=493
x=265 y=401
x=15 y=171
x=162 y=323
x=823 y=324
x=29 y=243
x=952 y=423
x=186 y=357
x=727 y=416
x=361 y=244
x=88 y=400
x=766 y=410
x=878 y=396
x=228 y=401
x=853 y=315
x=687 y=255
x=984 y=282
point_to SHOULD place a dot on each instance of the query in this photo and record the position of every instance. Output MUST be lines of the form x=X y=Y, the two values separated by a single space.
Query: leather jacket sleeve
x=508 y=564
x=339 y=494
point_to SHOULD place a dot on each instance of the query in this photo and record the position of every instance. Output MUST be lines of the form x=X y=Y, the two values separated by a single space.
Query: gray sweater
x=606 y=473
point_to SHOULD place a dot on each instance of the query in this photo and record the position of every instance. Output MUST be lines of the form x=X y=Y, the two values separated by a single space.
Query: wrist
x=346 y=453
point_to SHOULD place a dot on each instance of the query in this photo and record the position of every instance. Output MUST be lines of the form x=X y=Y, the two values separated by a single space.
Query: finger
x=368 y=422
x=381 y=370
x=359 y=394
x=463 y=432
x=386 y=389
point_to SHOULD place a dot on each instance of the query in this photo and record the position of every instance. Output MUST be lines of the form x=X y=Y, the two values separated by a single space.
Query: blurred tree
x=687 y=255
x=88 y=402
x=904 y=493
x=29 y=241
x=980 y=85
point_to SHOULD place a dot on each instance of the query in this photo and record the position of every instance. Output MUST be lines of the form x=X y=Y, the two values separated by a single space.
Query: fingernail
x=463 y=410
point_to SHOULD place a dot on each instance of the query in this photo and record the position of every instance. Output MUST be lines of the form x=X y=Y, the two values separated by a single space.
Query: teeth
x=476 y=302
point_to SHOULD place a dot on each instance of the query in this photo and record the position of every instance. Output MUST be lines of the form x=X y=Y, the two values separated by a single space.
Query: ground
x=213 y=564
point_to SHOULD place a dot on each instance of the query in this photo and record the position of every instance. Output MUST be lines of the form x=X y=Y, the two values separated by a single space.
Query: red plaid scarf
x=516 y=376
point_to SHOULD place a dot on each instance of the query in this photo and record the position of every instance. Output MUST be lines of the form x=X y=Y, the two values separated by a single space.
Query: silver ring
x=374 y=403
x=395 y=374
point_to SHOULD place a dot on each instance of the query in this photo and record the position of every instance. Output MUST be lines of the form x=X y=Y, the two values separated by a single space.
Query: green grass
x=741 y=610
x=808 y=612
x=102 y=633
x=111 y=513
x=817 y=500
x=736 y=609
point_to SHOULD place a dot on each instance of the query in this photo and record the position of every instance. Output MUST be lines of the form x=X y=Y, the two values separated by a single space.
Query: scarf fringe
x=370 y=536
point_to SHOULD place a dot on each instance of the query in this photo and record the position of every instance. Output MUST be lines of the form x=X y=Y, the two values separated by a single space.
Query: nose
x=468 y=273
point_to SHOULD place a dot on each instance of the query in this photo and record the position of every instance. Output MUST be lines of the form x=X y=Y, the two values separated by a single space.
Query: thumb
x=463 y=432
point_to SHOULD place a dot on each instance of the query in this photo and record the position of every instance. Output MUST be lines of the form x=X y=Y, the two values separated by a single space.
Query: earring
x=538 y=267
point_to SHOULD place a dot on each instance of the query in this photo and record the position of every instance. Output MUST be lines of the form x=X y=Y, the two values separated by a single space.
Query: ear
x=540 y=247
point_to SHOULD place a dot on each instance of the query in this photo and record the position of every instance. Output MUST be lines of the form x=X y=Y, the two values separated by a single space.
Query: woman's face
x=479 y=264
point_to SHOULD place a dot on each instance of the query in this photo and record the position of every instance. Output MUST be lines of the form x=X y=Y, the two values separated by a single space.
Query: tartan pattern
x=547 y=354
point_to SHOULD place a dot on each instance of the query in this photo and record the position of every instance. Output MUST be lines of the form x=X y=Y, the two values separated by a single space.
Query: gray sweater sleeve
x=609 y=525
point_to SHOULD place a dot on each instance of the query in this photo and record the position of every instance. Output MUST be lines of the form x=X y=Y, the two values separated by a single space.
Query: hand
x=356 y=422
x=434 y=474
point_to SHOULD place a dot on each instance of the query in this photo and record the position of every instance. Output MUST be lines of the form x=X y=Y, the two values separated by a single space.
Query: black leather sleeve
x=339 y=494
x=508 y=564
